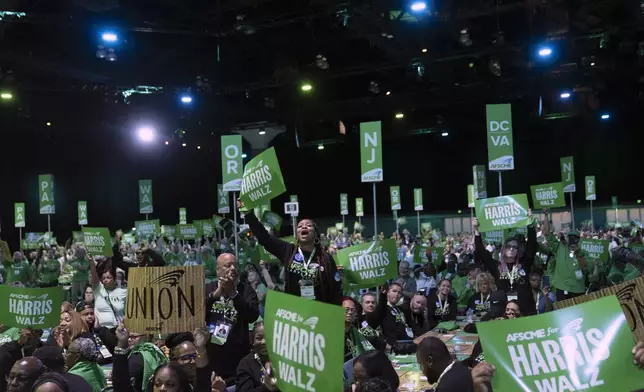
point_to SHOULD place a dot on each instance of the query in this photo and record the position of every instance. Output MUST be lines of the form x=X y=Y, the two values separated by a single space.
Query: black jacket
x=418 y=322
x=328 y=288
x=434 y=316
x=225 y=358
x=249 y=375
x=385 y=317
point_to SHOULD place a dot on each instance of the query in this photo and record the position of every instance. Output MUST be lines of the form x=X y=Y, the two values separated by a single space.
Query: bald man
x=439 y=367
x=231 y=307
x=24 y=374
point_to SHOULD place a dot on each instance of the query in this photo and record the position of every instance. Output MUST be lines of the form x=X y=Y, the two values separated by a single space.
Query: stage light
x=48 y=124
x=306 y=87
x=262 y=132
x=244 y=155
x=418 y=6
x=6 y=96
x=146 y=134
x=183 y=144
x=565 y=95
x=639 y=201
x=186 y=99
x=388 y=93
x=167 y=142
x=592 y=64
x=445 y=134
x=110 y=37
x=460 y=211
x=111 y=55
x=424 y=50
x=198 y=147
x=545 y=52
x=321 y=147
x=605 y=116
x=399 y=115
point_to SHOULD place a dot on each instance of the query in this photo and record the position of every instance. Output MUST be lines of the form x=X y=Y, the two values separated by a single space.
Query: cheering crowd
x=470 y=281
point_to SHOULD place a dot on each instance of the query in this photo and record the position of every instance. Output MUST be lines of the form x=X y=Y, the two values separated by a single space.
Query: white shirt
x=423 y=282
x=102 y=309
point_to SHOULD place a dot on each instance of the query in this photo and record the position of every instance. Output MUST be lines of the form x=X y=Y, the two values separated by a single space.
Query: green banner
x=231 y=163
x=207 y=227
x=359 y=206
x=293 y=198
x=499 y=137
x=145 y=197
x=420 y=254
x=82 y=213
x=548 y=195
x=371 y=152
x=568 y=174
x=223 y=202
x=438 y=255
x=183 y=216
x=77 y=236
x=30 y=308
x=418 y=199
x=503 y=212
x=148 y=228
x=169 y=231
x=268 y=257
x=98 y=241
x=471 y=195
x=370 y=264
x=394 y=198
x=19 y=215
x=595 y=249
x=344 y=204
x=34 y=240
x=187 y=232
x=269 y=218
x=304 y=346
x=260 y=209
x=46 y=194
x=262 y=179
x=584 y=347
x=480 y=181
x=591 y=189
x=613 y=201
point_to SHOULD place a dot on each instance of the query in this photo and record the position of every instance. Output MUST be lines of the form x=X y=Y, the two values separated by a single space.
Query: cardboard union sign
x=630 y=295
x=292 y=208
x=162 y=300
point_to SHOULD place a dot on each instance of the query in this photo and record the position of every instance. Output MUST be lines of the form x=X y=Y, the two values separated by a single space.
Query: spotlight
x=418 y=6
x=399 y=115
x=306 y=87
x=388 y=93
x=605 y=116
x=48 y=124
x=186 y=99
x=101 y=53
x=244 y=156
x=320 y=146
x=564 y=95
x=111 y=55
x=167 y=142
x=262 y=132
x=545 y=52
x=6 y=96
x=592 y=64
x=183 y=144
x=198 y=147
x=424 y=50
x=110 y=37
x=445 y=134
x=146 y=134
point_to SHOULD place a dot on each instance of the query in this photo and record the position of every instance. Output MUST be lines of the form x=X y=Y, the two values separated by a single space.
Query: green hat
x=573 y=232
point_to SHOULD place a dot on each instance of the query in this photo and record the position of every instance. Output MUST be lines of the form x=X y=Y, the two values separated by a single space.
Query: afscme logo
x=500 y=126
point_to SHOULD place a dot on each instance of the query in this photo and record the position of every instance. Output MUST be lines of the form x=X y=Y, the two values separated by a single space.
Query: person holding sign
x=441 y=305
x=109 y=300
x=510 y=272
x=393 y=320
x=310 y=271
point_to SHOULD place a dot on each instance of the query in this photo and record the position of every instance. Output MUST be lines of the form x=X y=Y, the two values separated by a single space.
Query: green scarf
x=358 y=343
x=152 y=358
x=91 y=372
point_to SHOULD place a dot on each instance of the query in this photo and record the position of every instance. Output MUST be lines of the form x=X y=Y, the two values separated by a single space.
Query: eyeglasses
x=188 y=358
x=512 y=247
x=350 y=310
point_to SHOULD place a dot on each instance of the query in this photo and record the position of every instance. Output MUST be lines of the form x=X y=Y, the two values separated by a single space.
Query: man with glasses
x=24 y=373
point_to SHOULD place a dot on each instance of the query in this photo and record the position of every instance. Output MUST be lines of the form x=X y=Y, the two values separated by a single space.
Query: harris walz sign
x=162 y=300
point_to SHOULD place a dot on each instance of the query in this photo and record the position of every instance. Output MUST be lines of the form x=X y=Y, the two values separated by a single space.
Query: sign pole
x=572 y=212
x=49 y=223
x=500 y=185
x=472 y=219
x=294 y=228
x=20 y=238
x=343 y=225
x=418 y=221
x=592 y=220
x=235 y=224
x=375 y=215
x=146 y=216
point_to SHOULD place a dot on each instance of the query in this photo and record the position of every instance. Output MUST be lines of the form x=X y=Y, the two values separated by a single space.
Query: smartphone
x=545 y=281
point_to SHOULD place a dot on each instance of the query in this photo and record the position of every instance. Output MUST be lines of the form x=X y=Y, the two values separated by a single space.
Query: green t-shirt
x=616 y=276
x=49 y=271
x=81 y=270
x=210 y=264
x=174 y=259
x=568 y=274
x=460 y=287
x=20 y=271
x=9 y=335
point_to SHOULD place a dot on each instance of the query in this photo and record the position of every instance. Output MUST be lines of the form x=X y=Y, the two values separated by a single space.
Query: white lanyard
x=537 y=301
x=483 y=302
x=299 y=250
x=447 y=369
x=443 y=307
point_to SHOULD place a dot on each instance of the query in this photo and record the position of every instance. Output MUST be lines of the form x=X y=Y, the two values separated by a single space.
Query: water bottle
x=469 y=313
x=211 y=328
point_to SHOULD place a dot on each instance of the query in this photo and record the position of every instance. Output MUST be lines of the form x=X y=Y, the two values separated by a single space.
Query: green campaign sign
x=371 y=152
x=30 y=308
x=148 y=228
x=231 y=163
x=46 y=194
x=480 y=181
x=293 y=198
x=206 y=226
x=269 y=257
x=503 y=212
x=548 y=195
x=344 y=204
x=595 y=249
x=272 y=219
x=497 y=236
x=613 y=200
x=568 y=174
x=78 y=236
x=359 y=206
x=262 y=180
x=394 y=197
x=591 y=189
x=188 y=232
x=420 y=254
x=19 y=215
x=571 y=349
x=418 y=199
x=304 y=346
x=369 y=264
x=34 y=240
x=438 y=255
x=183 y=216
x=82 y=213
x=223 y=203
x=98 y=241
x=145 y=197
x=500 y=152
x=471 y=195
x=169 y=231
